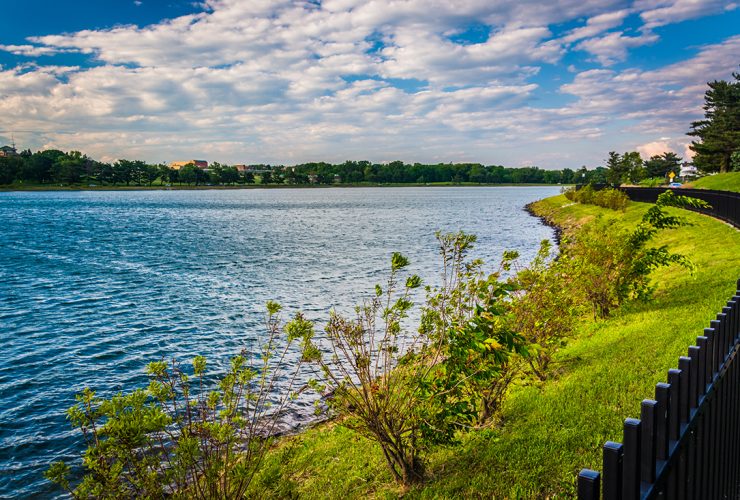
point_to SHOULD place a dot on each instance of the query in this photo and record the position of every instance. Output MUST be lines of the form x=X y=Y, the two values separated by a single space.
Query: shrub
x=471 y=314
x=373 y=383
x=613 y=266
x=181 y=437
x=545 y=308
x=606 y=198
x=408 y=391
x=653 y=182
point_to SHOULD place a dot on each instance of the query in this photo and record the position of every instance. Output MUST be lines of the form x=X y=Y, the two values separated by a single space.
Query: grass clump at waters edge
x=553 y=429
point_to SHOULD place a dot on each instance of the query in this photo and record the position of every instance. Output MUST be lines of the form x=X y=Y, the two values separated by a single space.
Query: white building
x=688 y=171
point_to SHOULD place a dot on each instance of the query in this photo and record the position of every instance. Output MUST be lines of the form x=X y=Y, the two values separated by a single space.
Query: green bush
x=545 y=308
x=611 y=266
x=182 y=437
x=653 y=182
x=606 y=198
x=407 y=391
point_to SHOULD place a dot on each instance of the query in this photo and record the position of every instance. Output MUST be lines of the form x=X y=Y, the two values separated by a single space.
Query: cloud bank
x=284 y=82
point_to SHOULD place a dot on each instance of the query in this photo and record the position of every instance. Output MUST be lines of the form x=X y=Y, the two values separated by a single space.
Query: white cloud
x=658 y=147
x=597 y=25
x=31 y=50
x=282 y=81
x=613 y=47
x=660 y=13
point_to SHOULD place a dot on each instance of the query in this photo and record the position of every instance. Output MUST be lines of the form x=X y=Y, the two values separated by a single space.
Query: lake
x=95 y=284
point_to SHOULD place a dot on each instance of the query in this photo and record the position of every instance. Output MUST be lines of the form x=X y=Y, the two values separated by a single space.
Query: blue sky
x=515 y=82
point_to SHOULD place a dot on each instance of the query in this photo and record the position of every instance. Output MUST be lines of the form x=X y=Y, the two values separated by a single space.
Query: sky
x=555 y=84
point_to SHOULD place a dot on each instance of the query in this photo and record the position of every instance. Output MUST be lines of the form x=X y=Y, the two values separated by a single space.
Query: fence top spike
x=631 y=422
x=589 y=474
x=663 y=385
x=613 y=445
x=648 y=402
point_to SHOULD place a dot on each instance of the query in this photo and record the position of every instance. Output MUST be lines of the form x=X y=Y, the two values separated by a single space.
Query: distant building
x=255 y=169
x=177 y=165
x=8 y=151
x=688 y=171
x=241 y=168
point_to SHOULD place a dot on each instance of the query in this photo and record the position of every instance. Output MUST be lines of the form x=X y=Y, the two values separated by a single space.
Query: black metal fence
x=725 y=204
x=686 y=444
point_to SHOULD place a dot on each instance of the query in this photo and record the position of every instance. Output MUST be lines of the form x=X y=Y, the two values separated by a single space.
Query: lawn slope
x=550 y=430
x=723 y=182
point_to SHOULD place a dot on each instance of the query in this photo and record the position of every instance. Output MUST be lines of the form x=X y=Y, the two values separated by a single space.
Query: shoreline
x=558 y=229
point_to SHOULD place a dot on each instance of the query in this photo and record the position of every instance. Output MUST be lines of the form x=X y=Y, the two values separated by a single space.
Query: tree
x=229 y=175
x=215 y=174
x=719 y=133
x=123 y=171
x=10 y=168
x=165 y=172
x=69 y=168
x=265 y=178
x=633 y=166
x=188 y=173
x=623 y=168
x=661 y=165
x=38 y=167
x=201 y=176
x=616 y=173
x=151 y=173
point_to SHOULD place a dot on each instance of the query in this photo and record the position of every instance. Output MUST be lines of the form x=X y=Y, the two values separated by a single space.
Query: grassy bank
x=550 y=430
x=723 y=182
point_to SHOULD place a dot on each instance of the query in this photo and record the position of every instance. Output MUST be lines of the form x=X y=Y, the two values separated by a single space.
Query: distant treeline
x=74 y=168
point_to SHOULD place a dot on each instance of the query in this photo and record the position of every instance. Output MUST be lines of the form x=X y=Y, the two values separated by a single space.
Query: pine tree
x=719 y=132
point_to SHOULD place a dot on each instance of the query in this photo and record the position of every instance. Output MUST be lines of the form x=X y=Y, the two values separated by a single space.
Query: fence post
x=722 y=344
x=631 y=461
x=711 y=353
x=613 y=464
x=674 y=404
x=662 y=396
x=588 y=485
x=695 y=377
x=649 y=426
x=684 y=364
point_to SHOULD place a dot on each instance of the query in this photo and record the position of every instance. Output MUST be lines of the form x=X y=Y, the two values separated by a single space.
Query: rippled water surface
x=95 y=284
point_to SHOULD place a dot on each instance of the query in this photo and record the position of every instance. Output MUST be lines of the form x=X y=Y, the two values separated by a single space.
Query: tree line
x=55 y=167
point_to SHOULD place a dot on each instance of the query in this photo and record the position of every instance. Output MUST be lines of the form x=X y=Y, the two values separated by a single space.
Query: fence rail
x=686 y=444
x=725 y=204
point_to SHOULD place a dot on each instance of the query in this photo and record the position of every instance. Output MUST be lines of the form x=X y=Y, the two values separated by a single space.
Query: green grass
x=723 y=182
x=550 y=430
